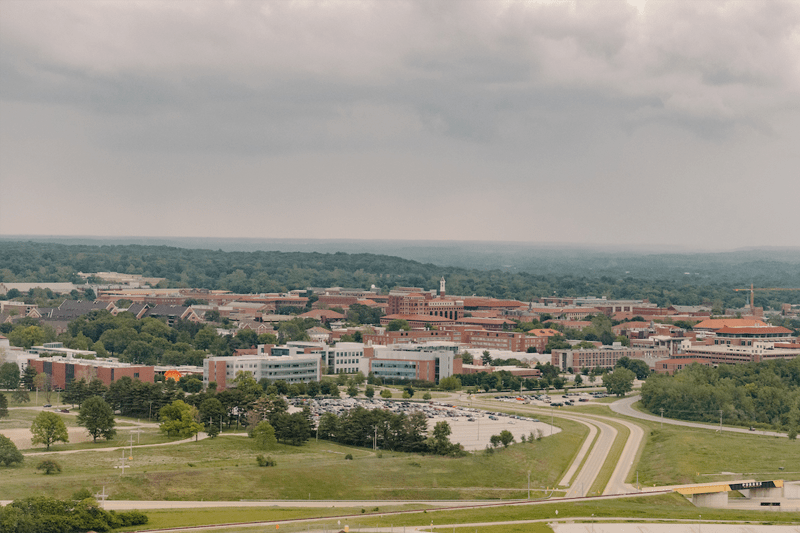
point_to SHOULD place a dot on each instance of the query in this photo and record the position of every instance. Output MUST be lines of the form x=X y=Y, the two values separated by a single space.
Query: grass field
x=678 y=454
x=225 y=469
x=650 y=508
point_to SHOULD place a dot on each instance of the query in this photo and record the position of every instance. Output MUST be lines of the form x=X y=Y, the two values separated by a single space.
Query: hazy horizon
x=195 y=241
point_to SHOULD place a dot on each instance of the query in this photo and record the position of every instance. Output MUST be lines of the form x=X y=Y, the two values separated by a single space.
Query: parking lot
x=470 y=427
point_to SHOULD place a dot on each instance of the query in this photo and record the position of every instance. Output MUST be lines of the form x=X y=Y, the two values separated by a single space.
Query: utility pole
x=529 y=484
x=123 y=462
x=551 y=419
x=720 y=420
x=662 y=417
x=102 y=497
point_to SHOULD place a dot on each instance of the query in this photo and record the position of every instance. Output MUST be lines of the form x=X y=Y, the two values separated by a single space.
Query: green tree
x=386 y=393
x=578 y=380
x=556 y=342
x=98 y=418
x=9 y=454
x=506 y=438
x=441 y=444
x=264 y=435
x=28 y=377
x=3 y=405
x=211 y=412
x=99 y=349
x=450 y=383
x=26 y=337
x=205 y=338
x=9 y=375
x=76 y=392
x=398 y=324
x=49 y=466
x=352 y=390
x=638 y=367
x=178 y=418
x=48 y=428
x=619 y=382
x=369 y=391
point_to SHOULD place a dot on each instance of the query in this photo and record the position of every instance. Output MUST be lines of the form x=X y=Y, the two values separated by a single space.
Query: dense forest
x=264 y=271
x=755 y=394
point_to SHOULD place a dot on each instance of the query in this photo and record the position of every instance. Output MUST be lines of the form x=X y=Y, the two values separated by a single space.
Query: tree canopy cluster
x=48 y=515
x=766 y=394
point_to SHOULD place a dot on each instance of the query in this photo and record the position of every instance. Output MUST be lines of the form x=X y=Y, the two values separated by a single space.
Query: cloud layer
x=553 y=121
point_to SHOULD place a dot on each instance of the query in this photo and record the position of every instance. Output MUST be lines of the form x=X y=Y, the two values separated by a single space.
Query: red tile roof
x=754 y=331
x=719 y=323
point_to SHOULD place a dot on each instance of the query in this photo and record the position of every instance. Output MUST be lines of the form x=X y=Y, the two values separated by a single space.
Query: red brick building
x=62 y=371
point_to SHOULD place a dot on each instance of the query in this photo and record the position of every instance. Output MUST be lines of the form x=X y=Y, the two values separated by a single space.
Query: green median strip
x=612 y=459
x=585 y=458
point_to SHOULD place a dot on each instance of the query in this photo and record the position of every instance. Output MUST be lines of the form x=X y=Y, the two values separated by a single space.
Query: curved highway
x=625 y=407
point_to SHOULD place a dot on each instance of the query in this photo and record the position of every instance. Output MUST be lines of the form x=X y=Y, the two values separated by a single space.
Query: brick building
x=606 y=356
x=62 y=370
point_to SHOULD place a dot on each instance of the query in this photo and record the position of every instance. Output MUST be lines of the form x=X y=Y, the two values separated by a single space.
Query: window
x=136 y=374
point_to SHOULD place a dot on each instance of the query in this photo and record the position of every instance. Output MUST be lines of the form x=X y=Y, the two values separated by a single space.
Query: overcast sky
x=674 y=123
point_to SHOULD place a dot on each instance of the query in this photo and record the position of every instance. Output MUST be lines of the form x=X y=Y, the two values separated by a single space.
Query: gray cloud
x=550 y=102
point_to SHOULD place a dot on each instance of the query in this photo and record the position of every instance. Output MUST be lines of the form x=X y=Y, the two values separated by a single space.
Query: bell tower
x=441 y=288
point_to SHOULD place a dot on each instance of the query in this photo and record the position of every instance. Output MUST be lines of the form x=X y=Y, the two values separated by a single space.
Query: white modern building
x=289 y=368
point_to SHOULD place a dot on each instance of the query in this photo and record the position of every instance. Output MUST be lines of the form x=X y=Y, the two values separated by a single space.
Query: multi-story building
x=752 y=352
x=347 y=358
x=606 y=356
x=507 y=340
x=63 y=370
x=290 y=368
x=427 y=362
x=416 y=301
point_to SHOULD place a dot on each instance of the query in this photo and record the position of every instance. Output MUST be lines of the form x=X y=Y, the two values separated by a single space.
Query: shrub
x=49 y=466
x=9 y=454
x=265 y=461
x=81 y=495
x=349 y=457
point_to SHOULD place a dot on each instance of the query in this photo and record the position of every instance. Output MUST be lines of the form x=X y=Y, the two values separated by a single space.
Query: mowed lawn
x=675 y=455
x=648 y=508
x=678 y=454
x=225 y=469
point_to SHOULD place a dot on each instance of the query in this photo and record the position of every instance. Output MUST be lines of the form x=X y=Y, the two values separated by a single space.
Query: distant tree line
x=251 y=272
